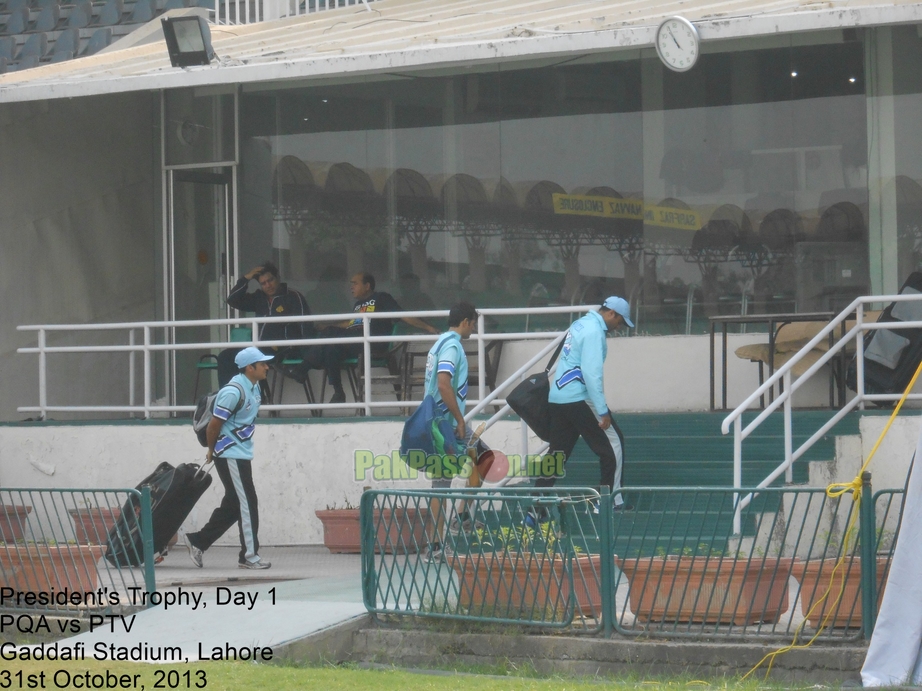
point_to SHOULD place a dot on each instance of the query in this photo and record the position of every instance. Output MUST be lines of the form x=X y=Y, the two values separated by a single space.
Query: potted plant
x=516 y=570
x=13 y=519
x=93 y=523
x=830 y=592
x=41 y=566
x=720 y=589
x=400 y=529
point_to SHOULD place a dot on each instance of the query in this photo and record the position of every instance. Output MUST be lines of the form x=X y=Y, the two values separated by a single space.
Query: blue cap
x=250 y=356
x=619 y=305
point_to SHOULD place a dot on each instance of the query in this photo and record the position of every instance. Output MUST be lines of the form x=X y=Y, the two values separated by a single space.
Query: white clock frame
x=668 y=59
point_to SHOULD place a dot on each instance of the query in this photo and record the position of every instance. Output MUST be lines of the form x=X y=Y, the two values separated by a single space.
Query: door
x=200 y=267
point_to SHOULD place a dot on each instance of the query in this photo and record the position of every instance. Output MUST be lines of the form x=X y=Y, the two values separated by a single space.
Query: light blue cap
x=250 y=356
x=620 y=306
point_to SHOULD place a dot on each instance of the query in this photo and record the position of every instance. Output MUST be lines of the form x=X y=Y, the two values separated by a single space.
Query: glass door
x=200 y=265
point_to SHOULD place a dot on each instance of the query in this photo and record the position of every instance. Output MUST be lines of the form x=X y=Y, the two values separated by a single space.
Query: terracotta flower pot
x=13 y=519
x=509 y=583
x=92 y=526
x=816 y=576
x=708 y=589
x=38 y=567
x=403 y=534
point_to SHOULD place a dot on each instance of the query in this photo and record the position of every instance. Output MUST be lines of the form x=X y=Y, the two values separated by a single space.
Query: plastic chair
x=111 y=13
x=100 y=39
x=209 y=361
x=286 y=365
x=48 y=18
x=80 y=16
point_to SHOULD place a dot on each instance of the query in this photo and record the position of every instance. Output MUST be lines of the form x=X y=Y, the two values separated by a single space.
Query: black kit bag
x=173 y=493
x=529 y=399
x=891 y=356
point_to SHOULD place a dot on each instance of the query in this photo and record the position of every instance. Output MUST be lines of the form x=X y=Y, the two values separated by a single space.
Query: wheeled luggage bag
x=173 y=493
x=891 y=356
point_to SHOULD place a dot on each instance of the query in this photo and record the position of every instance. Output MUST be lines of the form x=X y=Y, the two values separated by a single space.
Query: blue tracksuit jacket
x=579 y=369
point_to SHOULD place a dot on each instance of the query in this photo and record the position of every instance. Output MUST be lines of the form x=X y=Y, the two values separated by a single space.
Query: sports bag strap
x=547 y=370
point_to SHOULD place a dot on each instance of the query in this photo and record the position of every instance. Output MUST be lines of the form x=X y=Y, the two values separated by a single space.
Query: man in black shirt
x=367 y=299
x=273 y=299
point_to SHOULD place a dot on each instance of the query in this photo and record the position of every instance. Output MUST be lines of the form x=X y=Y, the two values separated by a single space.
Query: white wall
x=302 y=467
x=672 y=373
x=298 y=468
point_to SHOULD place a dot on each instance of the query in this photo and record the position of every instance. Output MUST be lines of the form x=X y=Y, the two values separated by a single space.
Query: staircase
x=687 y=450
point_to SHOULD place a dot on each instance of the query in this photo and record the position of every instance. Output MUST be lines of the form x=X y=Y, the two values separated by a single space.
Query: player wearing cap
x=230 y=445
x=577 y=397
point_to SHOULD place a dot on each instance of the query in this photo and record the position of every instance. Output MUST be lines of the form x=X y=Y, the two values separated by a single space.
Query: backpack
x=204 y=412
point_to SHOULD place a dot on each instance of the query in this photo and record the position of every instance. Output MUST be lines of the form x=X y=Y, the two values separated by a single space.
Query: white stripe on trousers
x=615 y=442
x=246 y=524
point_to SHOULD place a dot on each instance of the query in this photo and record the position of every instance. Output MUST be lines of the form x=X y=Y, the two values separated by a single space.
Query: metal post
x=867 y=536
x=788 y=429
x=366 y=347
x=42 y=374
x=147 y=535
x=147 y=373
x=607 y=576
x=859 y=355
x=131 y=368
x=737 y=472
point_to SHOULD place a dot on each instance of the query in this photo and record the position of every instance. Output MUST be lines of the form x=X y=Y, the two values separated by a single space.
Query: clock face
x=677 y=44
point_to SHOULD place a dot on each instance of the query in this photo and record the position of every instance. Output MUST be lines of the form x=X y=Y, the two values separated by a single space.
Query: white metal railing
x=784 y=375
x=147 y=348
x=252 y=11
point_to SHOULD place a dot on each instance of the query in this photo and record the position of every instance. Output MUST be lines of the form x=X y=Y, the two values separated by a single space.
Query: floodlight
x=188 y=40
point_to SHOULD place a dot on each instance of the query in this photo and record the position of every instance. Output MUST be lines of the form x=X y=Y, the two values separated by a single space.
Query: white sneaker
x=195 y=554
x=256 y=565
x=432 y=554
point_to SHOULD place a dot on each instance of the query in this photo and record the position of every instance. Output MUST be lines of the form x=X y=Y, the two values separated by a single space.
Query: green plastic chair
x=209 y=361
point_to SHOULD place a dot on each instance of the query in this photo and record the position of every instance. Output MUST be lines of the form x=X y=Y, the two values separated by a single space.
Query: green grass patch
x=236 y=676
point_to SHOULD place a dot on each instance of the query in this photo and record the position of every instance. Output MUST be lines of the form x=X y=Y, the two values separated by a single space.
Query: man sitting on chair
x=367 y=299
x=273 y=299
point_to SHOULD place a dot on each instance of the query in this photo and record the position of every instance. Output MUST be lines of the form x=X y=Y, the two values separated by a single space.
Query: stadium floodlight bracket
x=188 y=40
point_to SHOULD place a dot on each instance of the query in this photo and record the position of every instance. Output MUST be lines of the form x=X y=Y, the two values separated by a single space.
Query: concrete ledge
x=592 y=656
x=334 y=644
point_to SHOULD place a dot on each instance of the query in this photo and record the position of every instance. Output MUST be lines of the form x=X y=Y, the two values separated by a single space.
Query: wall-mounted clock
x=677 y=43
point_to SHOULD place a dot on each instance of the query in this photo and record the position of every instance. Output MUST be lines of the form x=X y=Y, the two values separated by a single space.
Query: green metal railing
x=670 y=567
x=79 y=552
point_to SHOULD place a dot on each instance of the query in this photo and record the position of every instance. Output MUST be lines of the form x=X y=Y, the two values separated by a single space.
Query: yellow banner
x=601 y=207
x=667 y=217
x=610 y=207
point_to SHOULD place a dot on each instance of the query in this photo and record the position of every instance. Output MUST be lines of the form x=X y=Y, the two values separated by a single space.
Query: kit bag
x=204 y=412
x=429 y=430
x=529 y=399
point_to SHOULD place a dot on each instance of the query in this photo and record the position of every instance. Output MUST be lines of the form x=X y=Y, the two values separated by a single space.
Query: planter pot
x=401 y=531
x=815 y=576
x=509 y=584
x=708 y=589
x=39 y=567
x=92 y=526
x=13 y=519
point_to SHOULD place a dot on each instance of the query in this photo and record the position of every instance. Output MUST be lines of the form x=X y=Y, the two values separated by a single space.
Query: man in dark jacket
x=273 y=299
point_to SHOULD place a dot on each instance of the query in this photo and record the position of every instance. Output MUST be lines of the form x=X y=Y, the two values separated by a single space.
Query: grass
x=235 y=676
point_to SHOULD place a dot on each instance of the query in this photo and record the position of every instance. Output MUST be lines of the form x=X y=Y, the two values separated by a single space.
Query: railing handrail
x=784 y=374
x=147 y=348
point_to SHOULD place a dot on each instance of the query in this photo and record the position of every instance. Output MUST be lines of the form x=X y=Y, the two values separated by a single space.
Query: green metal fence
x=75 y=552
x=671 y=566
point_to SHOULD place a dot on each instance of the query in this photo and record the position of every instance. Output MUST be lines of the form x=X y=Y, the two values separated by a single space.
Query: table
x=774 y=323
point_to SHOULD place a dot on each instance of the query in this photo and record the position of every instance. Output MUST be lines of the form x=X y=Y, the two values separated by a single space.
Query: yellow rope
x=834 y=491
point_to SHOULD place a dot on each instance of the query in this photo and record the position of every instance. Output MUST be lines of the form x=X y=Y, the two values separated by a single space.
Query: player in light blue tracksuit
x=577 y=396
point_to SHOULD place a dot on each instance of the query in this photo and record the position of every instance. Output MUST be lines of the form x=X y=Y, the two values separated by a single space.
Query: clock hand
x=674 y=40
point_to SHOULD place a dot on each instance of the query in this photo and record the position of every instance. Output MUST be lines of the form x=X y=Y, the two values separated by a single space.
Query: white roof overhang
x=391 y=36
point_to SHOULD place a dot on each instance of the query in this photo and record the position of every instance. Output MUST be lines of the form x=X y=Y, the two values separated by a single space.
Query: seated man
x=367 y=299
x=273 y=299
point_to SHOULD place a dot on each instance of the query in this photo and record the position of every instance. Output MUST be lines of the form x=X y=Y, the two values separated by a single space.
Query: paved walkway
x=222 y=605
